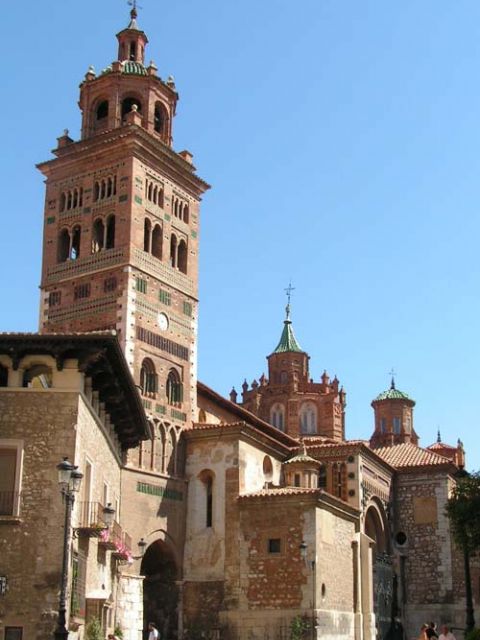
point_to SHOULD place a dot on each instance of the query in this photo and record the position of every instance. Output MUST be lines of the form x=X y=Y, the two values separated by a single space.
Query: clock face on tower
x=163 y=321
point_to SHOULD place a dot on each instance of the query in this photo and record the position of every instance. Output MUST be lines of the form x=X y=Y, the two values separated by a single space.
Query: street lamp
x=142 y=545
x=69 y=480
x=108 y=515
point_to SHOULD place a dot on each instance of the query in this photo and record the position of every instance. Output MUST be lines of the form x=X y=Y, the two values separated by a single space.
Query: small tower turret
x=393 y=418
x=132 y=41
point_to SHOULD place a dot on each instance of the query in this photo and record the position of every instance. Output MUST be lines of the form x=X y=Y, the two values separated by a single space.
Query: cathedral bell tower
x=121 y=226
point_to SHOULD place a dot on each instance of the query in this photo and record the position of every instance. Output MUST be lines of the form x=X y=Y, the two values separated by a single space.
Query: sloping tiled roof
x=441 y=446
x=409 y=455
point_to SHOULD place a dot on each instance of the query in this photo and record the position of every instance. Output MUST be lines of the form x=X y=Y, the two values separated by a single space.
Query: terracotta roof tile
x=441 y=446
x=409 y=455
x=281 y=491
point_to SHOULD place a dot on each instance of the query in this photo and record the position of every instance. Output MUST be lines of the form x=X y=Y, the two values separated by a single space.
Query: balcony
x=123 y=550
x=104 y=259
x=117 y=541
x=91 y=523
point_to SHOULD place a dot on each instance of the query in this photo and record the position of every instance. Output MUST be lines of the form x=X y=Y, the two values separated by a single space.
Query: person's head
x=432 y=625
x=151 y=626
x=445 y=629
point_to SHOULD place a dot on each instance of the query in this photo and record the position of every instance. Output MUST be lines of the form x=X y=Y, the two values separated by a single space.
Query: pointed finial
x=392 y=373
x=304 y=448
x=439 y=437
x=288 y=291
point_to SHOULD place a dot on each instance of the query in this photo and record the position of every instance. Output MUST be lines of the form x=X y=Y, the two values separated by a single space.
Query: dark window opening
x=127 y=105
x=75 y=250
x=63 y=246
x=3 y=376
x=110 y=241
x=157 y=238
x=148 y=377
x=102 y=110
x=110 y=284
x=274 y=545
x=147 y=230
x=297 y=480
x=182 y=256
x=133 y=50
x=322 y=477
x=98 y=235
x=159 y=119
x=209 y=505
x=174 y=388
x=173 y=251
x=81 y=291
x=54 y=298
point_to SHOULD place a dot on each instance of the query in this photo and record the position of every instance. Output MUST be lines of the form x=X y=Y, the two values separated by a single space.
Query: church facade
x=255 y=515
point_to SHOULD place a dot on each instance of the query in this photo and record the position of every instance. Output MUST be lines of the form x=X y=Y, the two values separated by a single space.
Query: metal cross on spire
x=288 y=291
x=392 y=373
x=135 y=6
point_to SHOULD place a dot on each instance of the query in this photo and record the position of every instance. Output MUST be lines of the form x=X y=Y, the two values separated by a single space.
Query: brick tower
x=393 y=418
x=289 y=399
x=120 y=247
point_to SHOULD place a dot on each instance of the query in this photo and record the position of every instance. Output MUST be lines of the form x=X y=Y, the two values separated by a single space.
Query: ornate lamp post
x=69 y=480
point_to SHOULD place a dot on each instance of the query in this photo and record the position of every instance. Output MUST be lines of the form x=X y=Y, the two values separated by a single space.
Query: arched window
x=173 y=251
x=96 y=191
x=148 y=377
x=185 y=213
x=98 y=235
x=63 y=202
x=133 y=50
x=63 y=249
x=75 y=250
x=182 y=256
x=172 y=439
x=283 y=377
x=397 y=425
x=38 y=376
x=202 y=416
x=150 y=191
x=207 y=478
x=157 y=238
x=322 y=477
x=308 y=418
x=102 y=110
x=3 y=376
x=267 y=468
x=160 y=197
x=174 y=388
x=147 y=231
x=277 y=416
x=110 y=243
x=159 y=118
x=127 y=105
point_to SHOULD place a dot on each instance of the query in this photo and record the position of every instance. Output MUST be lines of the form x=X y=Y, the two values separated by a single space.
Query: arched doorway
x=160 y=591
x=376 y=528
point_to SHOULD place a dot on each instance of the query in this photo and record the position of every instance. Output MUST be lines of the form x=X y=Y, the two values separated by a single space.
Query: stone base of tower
x=129 y=613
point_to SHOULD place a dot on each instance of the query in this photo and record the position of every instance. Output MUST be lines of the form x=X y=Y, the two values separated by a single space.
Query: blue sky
x=341 y=139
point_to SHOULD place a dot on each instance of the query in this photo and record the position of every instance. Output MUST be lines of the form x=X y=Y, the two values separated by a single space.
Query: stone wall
x=31 y=556
x=434 y=583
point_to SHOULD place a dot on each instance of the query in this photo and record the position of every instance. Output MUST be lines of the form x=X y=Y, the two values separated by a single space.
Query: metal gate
x=383 y=593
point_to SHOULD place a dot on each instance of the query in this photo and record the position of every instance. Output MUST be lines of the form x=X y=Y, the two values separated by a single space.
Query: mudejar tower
x=120 y=252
